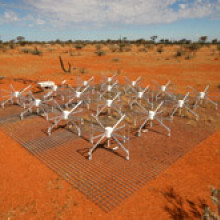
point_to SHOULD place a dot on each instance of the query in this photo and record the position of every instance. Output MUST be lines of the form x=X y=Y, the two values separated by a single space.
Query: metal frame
x=109 y=133
x=78 y=95
x=109 y=89
x=110 y=104
x=202 y=97
x=183 y=104
x=152 y=115
x=80 y=83
x=108 y=79
x=140 y=95
x=130 y=85
x=163 y=90
x=14 y=96
x=34 y=102
x=67 y=116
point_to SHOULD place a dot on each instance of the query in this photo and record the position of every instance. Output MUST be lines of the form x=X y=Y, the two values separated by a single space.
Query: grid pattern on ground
x=108 y=179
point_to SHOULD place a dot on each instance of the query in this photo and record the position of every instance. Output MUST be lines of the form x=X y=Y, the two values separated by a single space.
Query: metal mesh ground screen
x=108 y=179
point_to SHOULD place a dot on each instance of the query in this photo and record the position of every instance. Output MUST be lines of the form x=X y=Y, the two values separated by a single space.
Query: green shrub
x=179 y=53
x=100 y=53
x=208 y=213
x=115 y=59
x=160 y=49
x=36 y=51
x=188 y=57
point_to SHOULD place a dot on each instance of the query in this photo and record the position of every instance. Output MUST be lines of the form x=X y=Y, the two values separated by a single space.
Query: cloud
x=116 y=12
x=104 y=12
x=9 y=17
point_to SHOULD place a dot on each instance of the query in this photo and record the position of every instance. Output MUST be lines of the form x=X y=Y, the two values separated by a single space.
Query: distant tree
x=20 y=38
x=215 y=41
x=203 y=39
x=153 y=38
x=218 y=48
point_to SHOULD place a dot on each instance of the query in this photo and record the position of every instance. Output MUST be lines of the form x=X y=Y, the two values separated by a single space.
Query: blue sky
x=109 y=19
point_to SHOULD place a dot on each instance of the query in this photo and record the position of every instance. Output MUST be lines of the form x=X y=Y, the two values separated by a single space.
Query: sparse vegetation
x=160 y=49
x=115 y=59
x=209 y=214
x=34 y=51
x=100 y=53
x=179 y=53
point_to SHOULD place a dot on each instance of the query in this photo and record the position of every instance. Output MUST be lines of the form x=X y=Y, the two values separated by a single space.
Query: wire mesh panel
x=107 y=179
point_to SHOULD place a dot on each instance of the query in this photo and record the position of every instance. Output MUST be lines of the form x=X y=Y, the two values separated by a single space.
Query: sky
x=109 y=19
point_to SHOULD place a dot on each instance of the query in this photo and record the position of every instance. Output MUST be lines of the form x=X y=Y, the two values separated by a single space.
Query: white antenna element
x=131 y=85
x=80 y=83
x=14 y=96
x=110 y=133
x=110 y=104
x=108 y=90
x=108 y=81
x=152 y=116
x=79 y=95
x=183 y=104
x=163 y=90
x=67 y=116
x=202 y=97
x=55 y=91
x=139 y=96
x=38 y=104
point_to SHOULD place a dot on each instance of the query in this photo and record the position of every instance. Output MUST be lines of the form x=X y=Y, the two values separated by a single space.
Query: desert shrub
x=208 y=213
x=149 y=46
x=127 y=49
x=188 y=57
x=98 y=46
x=78 y=46
x=50 y=49
x=160 y=49
x=12 y=46
x=115 y=59
x=113 y=48
x=142 y=49
x=218 y=48
x=179 y=53
x=26 y=50
x=3 y=48
x=36 y=51
x=82 y=70
x=100 y=53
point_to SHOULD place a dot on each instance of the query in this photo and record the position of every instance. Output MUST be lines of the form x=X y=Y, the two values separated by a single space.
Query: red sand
x=29 y=190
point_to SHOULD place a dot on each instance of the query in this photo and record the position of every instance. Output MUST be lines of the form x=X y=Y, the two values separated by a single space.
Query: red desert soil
x=29 y=190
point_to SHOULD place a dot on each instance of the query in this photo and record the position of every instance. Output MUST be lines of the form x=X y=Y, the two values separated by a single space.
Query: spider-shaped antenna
x=68 y=116
x=201 y=97
x=38 y=104
x=140 y=95
x=78 y=94
x=110 y=104
x=14 y=96
x=109 y=90
x=183 y=104
x=150 y=116
x=110 y=133
x=131 y=84
x=163 y=90
x=80 y=83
